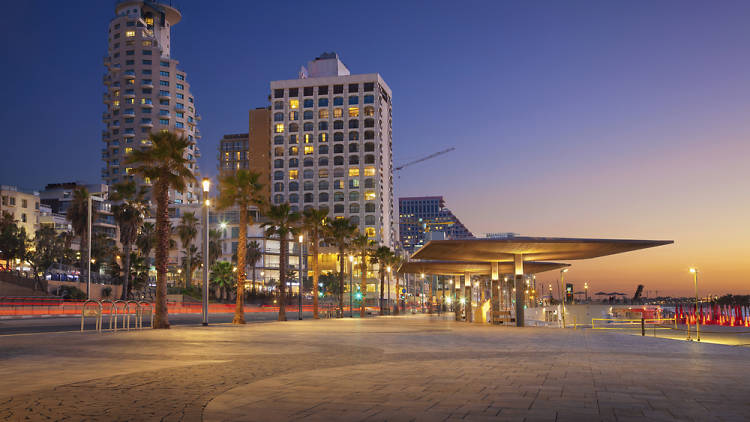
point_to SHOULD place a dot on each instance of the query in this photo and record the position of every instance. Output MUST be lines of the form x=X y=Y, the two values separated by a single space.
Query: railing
x=97 y=313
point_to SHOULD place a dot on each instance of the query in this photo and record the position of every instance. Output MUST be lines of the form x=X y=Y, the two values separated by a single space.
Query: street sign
x=403 y=290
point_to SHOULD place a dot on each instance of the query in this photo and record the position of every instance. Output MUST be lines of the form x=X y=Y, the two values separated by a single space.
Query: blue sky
x=578 y=118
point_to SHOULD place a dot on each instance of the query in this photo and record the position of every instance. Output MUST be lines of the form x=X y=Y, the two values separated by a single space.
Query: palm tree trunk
x=126 y=264
x=239 y=311
x=254 y=280
x=161 y=317
x=398 y=297
x=382 y=285
x=316 y=269
x=283 y=253
x=363 y=284
x=189 y=270
x=341 y=282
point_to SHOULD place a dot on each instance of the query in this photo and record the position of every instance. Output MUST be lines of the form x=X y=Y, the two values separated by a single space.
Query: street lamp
x=389 y=289
x=421 y=290
x=351 y=277
x=206 y=188
x=562 y=291
x=694 y=271
x=299 y=290
x=586 y=291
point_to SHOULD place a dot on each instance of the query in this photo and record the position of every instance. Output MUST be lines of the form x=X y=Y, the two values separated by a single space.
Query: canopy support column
x=468 y=294
x=518 y=270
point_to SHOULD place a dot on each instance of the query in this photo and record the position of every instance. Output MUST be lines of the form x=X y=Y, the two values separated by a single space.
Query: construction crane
x=445 y=151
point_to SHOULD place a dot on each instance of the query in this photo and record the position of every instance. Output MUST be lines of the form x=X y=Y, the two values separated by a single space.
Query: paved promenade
x=377 y=369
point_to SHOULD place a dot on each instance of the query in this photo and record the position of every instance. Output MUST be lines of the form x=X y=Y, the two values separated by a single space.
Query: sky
x=575 y=119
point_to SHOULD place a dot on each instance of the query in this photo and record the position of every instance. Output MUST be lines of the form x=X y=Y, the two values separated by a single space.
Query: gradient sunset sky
x=577 y=118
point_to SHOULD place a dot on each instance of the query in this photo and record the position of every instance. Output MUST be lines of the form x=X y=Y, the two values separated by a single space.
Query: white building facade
x=331 y=145
x=145 y=90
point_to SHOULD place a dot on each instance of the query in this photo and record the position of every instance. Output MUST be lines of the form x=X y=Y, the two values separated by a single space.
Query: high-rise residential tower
x=145 y=90
x=331 y=145
x=421 y=215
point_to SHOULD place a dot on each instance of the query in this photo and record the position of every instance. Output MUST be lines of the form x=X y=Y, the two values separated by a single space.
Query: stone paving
x=377 y=369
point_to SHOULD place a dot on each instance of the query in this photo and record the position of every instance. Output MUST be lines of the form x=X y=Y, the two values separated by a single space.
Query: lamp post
x=562 y=293
x=351 y=292
x=694 y=271
x=389 y=289
x=421 y=290
x=206 y=187
x=88 y=248
x=586 y=291
x=299 y=290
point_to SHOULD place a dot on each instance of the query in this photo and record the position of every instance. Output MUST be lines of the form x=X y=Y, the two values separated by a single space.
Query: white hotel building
x=145 y=90
x=331 y=145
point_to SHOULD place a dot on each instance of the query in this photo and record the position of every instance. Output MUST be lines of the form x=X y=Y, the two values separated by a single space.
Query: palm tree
x=192 y=259
x=282 y=222
x=339 y=233
x=129 y=217
x=145 y=240
x=214 y=246
x=254 y=254
x=187 y=230
x=364 y=248
x=242 y=189
x=222 y=276
x=382 y=256
x=77 y=214
x=314 y=223
x=164 y=163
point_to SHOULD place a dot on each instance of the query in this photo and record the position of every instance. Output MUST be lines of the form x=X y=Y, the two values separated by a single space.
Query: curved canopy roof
x=532 y=248
x=480 y=268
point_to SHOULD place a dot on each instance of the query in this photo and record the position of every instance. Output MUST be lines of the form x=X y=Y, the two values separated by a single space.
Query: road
x=73 y=323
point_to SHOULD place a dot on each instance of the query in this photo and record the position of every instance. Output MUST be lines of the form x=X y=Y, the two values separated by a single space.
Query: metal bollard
x=643 y=327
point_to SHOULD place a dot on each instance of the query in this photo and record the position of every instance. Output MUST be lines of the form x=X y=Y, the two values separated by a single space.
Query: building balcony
x=147 y=85
x=128 y=135
x=105 y=172
x=129 y=114
x=105 y=116
x=147 y=124
x=129 y=95
x=164 y=95
x=147 y=105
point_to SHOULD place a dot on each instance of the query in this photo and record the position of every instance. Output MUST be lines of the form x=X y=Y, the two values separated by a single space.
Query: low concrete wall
x=96 y=289
x=12 y=284
x=579 y=314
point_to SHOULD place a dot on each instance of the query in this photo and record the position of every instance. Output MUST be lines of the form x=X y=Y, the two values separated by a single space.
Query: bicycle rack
x=111 y=310
x=98 y=314
x=138 y=320
x=126 y=314
x=150 y=307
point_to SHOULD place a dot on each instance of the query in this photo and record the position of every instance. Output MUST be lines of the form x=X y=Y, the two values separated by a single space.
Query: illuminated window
x=338 y=112
x=353 y=183
x=322 y=137
x=293 y=150
x=323 y=114
x=353 y=111
x=129 y=170
x=323 y=173
x=309 y=150
x=294 y=174
x=115 y=104
x=145 y=142
x=370 y=232
x=294 y=115
x=117 y=93
x=294 y=104
x=353 y=172
x=279 y=128
x=128 y=150
x=147 y=180
x=370 y=195
x=130 y=34
x=369 y=111
x=150 y=21
x=308 y=138
x=147 y=43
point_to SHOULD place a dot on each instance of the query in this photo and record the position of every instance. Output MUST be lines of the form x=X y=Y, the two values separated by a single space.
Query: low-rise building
x=23 y=206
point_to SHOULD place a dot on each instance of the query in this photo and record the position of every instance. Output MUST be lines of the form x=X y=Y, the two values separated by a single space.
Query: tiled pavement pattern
x=395 y=369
